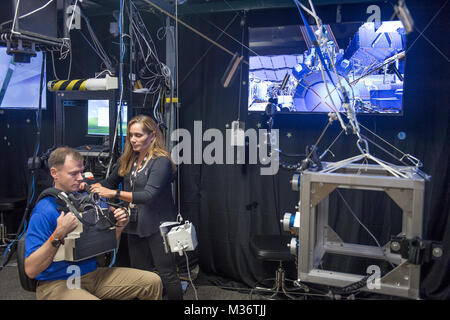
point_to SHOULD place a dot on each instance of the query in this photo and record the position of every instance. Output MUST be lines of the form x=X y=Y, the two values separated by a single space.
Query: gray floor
x=10 y=288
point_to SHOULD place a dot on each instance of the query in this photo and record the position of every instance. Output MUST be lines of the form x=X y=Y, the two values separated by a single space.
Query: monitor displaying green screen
x=98 y=117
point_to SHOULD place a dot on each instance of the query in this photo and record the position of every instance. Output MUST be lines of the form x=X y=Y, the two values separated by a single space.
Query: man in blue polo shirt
x=46 y=232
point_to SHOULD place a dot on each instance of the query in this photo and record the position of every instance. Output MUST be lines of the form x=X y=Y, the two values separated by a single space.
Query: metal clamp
x=365 y=148
x=416 y=251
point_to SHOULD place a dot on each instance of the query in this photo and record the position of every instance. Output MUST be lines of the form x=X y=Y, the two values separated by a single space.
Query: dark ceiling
x=186 y=7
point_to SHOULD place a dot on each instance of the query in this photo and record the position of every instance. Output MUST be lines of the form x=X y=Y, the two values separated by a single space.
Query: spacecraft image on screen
x=369 y=69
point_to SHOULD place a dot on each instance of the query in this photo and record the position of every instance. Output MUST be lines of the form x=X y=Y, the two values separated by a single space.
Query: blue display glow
x=20 y=82
x=370 y=71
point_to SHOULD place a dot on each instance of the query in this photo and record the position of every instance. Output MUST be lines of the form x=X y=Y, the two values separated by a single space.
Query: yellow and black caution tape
x=174 y=100
x=67 y=85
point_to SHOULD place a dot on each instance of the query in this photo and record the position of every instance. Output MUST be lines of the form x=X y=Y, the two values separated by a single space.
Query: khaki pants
x=104 y=283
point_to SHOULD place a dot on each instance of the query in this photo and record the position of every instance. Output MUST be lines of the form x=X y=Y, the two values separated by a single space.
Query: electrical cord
x=140 y=22
x=241 y=44
x=189 y=275
x=351 y=288
x=15 y=18
x=67 y=44
x=23 y=16
x=413 y=160
x=350 y=113
x=70 y=63
x=155 y=76
x=190 y=28
x=154 y=71
x=93 y=48
x=365 y=228
x=113 y=260
x=71 y=18
x=53 y=64
x=98 y=47
x=207 y=50
x=122 y=50
x=98 y=210
x=36 y=10
x=5 y=257
x=329 y=147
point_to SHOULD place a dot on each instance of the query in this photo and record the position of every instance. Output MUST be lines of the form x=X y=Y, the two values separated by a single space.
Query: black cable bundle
x=289 y=166
x=353 y=287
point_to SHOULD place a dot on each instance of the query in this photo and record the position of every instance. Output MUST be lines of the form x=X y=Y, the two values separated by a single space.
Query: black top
x=152 y=194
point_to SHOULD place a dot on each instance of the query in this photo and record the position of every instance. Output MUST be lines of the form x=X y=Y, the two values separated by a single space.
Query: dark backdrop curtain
x=230 y=203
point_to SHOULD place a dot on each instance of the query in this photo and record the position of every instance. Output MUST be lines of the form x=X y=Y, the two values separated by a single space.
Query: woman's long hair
x=157 y=147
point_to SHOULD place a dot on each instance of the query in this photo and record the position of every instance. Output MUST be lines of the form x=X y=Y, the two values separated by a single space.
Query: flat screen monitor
x=366 y=59
x=98 y=117
x=20 y=82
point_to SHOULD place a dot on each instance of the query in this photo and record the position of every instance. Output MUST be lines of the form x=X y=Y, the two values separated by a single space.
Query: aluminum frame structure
x=316 y=237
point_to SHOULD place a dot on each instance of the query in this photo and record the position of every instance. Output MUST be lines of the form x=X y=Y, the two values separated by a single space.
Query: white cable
x=312 y=8
x=176 y=108
x=15 y=18
x=240 y=74
x=351 y=116
x=305 y=8
x=140 y=45
x=70 y=63
x=416 y=162
x=99 y=49
x=141 y=22
x=36 y=10
x=65 y=44
x=350 y=108
x=365 y=228
x=71 y=18
x=189 y=275
x=321 y=67
x=160 y=38
x=95 y=50
x=121 y=92
x=54 y=68
x=163 y=71
x=106 y=70
x=227 y=34
x=145 y=40
x=151 y=50
x=25 y=15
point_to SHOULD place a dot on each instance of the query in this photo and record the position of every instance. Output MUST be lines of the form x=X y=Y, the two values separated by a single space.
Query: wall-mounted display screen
x=366 y=60
x=20 y=82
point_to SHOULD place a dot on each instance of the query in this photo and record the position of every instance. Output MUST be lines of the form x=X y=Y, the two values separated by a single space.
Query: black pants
x=148 y=253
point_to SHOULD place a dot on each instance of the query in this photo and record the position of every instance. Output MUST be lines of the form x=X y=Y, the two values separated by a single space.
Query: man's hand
x=83 y=186
x=40 y=259
x=121 y=216
x=65 y=224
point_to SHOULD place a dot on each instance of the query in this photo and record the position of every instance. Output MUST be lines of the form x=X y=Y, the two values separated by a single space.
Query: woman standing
x=146 y=171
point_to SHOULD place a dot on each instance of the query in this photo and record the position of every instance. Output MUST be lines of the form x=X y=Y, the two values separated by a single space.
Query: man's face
x=69 y=176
